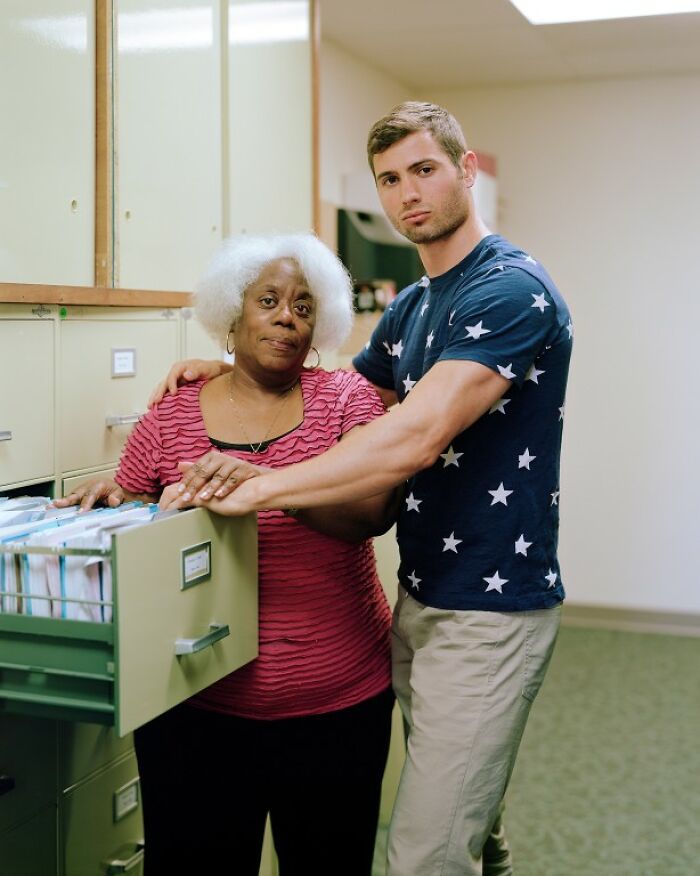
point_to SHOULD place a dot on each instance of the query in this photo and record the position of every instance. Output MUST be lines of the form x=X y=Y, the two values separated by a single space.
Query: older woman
x=302 y=732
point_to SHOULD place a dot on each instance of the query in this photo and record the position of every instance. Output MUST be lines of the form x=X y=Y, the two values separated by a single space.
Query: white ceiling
x=456 y=43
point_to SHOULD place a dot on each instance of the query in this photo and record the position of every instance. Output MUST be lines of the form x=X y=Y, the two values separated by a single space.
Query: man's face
x=424 y=195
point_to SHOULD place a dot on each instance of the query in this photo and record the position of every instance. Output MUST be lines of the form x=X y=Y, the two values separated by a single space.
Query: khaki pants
x=465 y=681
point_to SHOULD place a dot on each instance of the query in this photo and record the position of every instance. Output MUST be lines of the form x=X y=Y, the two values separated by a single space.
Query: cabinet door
x=107 y=371
x=176 y=578
x=27 y=406
x=28 y=767
x=47 y=107
x=100 y=823
x=168 y=140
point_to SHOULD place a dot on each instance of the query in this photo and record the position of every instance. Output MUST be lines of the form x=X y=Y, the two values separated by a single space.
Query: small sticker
x=123 y=362
x=196 y=564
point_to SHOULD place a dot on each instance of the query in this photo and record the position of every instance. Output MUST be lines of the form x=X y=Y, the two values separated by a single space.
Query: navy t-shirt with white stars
x=478 y=530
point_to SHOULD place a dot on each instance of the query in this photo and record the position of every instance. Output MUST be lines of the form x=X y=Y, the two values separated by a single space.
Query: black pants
x=208 y=782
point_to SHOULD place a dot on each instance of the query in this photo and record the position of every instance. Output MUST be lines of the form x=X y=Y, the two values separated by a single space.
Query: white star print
x=555 y=497
x=408 y=384
x=450 y=457
x=449 y=321
x=397 y=349
x=367 y=346
x=495 y=582
x=533 y=374
x=529 y=258
x=561 y=412
x=414 y=581
x=499 y=406
x=552 y=578
x=451 y=543
x=539 y=302
x=386 y=347
x=570 y=329
x=425 y=306
x=521 y=545
x=429 y=340
x=496 y=268
x=500 y=495
x=506 y=371
x=412 y=503
x=476 y=331
x=424 y=281
x=525 y=459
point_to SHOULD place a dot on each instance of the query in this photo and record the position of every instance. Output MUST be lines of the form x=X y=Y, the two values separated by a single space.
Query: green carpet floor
x=608 y=777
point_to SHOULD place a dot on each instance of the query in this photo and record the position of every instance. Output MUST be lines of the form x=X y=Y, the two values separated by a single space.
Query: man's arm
x=445 y=402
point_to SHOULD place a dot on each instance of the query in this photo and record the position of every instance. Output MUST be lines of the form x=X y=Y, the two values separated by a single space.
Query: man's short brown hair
x=412 y=116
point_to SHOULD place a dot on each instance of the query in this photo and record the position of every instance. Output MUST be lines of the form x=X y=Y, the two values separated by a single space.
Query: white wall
x=352 y=97
x=600 y=182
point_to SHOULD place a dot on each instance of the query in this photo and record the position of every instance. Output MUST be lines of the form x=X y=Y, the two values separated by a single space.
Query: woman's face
x=276 y=325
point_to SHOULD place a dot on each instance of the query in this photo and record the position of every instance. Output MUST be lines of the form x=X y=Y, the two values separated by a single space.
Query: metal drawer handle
x=122 y=864
x=6 y=436
x=7 y=783
x=124 y=420
x=191 y=646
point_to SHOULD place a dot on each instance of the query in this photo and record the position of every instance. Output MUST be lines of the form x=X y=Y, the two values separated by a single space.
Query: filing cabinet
x=27 y=408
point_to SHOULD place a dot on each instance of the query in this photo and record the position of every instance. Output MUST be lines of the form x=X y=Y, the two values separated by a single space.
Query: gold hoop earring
x=318 y=358
x=230 y=352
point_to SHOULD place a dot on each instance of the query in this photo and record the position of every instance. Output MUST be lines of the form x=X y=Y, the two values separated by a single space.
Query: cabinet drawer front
x=99 y=817
x=27 y=762
x=27 y=407
x=85 y=748
x=153 y=611
x=31 y=847
x=125 y=359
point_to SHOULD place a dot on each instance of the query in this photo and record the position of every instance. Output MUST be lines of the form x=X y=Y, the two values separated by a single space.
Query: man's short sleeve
x=374 y=361
x=504 y=322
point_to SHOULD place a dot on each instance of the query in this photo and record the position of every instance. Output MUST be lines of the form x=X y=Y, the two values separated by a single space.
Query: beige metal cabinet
x=100 y=825
x=107 y=369
x=27 y=403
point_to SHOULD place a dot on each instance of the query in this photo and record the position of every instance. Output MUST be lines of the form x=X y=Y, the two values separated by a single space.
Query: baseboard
x=631 y=620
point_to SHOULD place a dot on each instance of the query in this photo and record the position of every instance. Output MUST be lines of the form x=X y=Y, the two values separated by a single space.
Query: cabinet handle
x=6 y=436
x=191 y=646
x=7 y=783
x=120 y=863
x=124 y=420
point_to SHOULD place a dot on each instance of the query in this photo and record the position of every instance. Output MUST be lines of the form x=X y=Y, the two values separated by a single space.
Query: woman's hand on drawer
x=186 y=371
x=214 y=475
x=103 y=491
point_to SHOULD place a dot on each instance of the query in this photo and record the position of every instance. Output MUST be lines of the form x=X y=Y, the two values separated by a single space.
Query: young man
x=477 y=354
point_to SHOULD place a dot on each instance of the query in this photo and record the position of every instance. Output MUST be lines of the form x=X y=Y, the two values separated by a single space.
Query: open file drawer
x=186 y=583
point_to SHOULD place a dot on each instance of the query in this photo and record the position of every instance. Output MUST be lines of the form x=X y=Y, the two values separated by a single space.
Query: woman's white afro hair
x=239 y=262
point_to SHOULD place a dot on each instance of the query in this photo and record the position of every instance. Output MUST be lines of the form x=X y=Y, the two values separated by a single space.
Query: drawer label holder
x=196 y=564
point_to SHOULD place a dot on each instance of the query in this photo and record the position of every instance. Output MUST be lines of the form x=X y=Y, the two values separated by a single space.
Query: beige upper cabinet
x=270 y=116
x=168 y=143
x=47 y=113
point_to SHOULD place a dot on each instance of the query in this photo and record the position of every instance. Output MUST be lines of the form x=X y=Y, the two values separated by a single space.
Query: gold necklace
x=256 y=448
